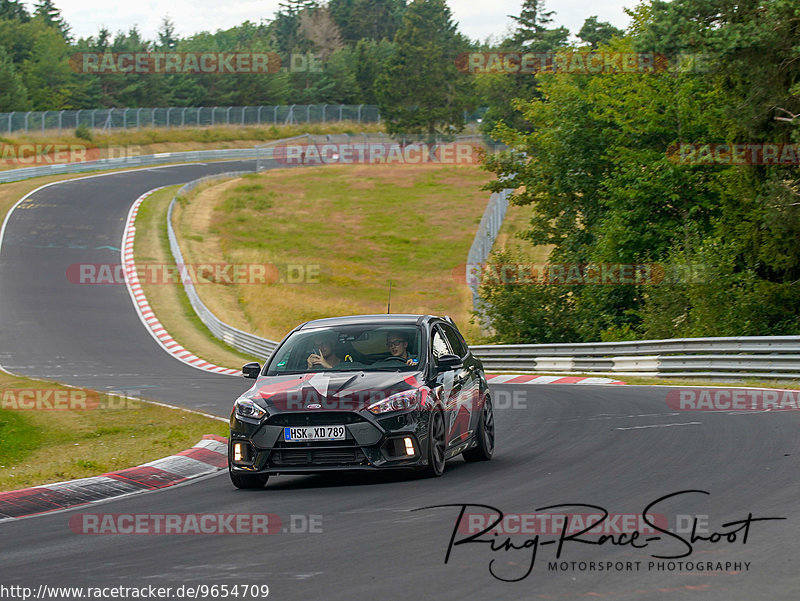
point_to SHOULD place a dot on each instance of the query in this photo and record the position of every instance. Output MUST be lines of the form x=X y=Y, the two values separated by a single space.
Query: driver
x=397 y=343
x=325 y=355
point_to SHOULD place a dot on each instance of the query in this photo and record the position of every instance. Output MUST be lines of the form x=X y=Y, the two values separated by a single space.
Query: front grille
x=314 y=418
x=314 y=457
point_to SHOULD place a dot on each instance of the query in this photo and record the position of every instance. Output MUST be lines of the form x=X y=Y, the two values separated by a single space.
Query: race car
x=365 y=392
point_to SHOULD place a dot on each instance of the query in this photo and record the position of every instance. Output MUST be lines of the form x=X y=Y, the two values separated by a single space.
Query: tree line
x=386 y=52
x=598 y=158
x=693 y=173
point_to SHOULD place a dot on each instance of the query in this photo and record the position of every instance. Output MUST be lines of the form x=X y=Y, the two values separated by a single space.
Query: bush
x=83 y=132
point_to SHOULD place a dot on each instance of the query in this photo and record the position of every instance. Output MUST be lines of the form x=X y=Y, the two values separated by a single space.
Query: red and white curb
x=206 y=457
x=517 y=379
x=146 y=314
x=169 y=344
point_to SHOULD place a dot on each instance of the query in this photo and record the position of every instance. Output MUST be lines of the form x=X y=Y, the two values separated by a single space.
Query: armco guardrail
x=747 y=356
x=750 y=356
x=260 y=348
x=487 y=232
x=163 y=158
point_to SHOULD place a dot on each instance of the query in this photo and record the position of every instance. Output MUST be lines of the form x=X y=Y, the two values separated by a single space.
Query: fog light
x=409 y=446
x=237 y=451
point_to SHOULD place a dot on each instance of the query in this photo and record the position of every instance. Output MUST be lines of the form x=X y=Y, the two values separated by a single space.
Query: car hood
x=333 y=391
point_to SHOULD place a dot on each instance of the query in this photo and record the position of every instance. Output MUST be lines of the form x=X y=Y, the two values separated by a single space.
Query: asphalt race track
x=614 y=447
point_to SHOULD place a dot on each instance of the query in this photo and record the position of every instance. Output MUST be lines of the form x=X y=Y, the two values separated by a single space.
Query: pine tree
x=47 y=11
x=531 y=33
x=421 y=91
x=13 y=9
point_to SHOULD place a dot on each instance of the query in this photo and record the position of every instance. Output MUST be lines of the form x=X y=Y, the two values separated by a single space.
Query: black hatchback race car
x=365 y=392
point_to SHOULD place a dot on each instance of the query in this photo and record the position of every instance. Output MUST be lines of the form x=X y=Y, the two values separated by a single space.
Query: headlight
x=402 y=401
x=248 y=409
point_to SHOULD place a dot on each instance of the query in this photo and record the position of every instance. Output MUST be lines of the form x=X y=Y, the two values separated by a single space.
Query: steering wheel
x=390 y=357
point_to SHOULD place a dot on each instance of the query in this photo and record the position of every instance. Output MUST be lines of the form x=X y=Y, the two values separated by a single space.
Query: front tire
x=437 y=444
x=248 y=480
x=485 y=448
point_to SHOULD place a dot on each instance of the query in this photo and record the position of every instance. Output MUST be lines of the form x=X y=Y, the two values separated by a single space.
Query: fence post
x=94 y=111
x=44 y=117
x=199 y=110
x=359 y=112
x=275 y=115
x=341 y=107
x=228 y=116
x=324 y=106
x=10 y=116
x=168 y=110
x=183 y=116
x=259 y=114
x=153 y=118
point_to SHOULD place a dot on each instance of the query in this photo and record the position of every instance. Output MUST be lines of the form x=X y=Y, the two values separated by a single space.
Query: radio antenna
x=389 y=304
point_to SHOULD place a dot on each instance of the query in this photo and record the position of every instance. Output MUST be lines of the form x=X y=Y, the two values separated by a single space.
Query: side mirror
x=251 y=370
x=448 y=362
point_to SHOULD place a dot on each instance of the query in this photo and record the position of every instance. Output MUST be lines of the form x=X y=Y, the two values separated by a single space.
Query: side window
x=455 y=340
x=438 y=344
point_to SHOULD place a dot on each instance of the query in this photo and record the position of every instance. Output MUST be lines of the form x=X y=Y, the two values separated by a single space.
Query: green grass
x=169 y=301
x=38 y=446
x=19 y=437
x=358 y=226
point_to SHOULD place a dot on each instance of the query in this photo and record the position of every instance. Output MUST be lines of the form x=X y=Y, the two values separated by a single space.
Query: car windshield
x=349 y=348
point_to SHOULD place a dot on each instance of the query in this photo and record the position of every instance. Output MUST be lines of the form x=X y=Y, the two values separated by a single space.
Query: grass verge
x=168 y=299
x=331 y=238
x=62 y=436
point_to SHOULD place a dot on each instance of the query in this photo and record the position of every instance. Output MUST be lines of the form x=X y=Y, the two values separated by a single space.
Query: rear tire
x=437 y=444
x=485 y=435
x=248 y=480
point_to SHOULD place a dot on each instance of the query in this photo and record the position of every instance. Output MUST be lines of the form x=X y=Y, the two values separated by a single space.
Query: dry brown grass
x=361 y=225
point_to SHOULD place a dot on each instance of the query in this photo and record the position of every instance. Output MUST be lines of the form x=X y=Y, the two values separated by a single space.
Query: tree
x=13 y=9
x=367 y=19
x=13 y=95
x=421 y=91
x=596 y=32
x=531 y=34
x=499 y=91
x=318 y=27
x=167 y=39
x=51 y=16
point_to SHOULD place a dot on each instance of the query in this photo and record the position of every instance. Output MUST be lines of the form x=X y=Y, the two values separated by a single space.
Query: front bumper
x=370 y=443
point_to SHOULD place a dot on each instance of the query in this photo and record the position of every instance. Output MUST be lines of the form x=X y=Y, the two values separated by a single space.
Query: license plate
x=312 y=433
